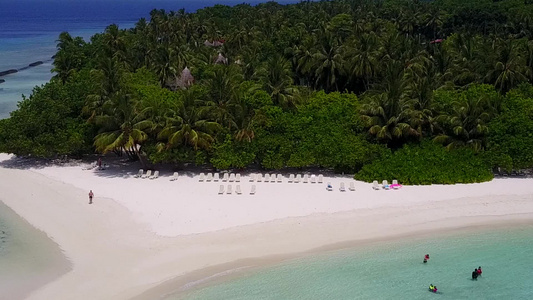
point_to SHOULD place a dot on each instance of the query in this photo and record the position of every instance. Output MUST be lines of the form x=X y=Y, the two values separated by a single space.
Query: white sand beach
x=142 y=238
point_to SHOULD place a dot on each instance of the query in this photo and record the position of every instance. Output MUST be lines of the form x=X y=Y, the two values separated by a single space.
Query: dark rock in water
x=11 y=71
x=24 y=68
x=2 y=80
x=34 y=64
x=53 y=56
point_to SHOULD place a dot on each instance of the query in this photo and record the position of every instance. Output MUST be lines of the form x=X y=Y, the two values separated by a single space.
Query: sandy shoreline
x=139 y=234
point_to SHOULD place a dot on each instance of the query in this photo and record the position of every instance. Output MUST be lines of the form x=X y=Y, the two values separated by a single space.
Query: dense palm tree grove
x=353 y=85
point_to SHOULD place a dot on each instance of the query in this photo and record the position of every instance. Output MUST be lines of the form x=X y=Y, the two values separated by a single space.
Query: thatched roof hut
x=186 y=79
x=221 y=59
x=183 y=81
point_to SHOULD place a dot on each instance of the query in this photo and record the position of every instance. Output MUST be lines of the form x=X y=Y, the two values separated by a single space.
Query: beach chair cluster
x=229 y=189
x=342 y=186
x=148 y=174
x=272 y=178
x=226 y=177
x=92 y=166
x=385 y=185
x=279 y=178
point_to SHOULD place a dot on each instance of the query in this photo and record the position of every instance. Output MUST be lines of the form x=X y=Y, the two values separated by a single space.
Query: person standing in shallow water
x=475 y=275
x=426 y=258
x=91 y=195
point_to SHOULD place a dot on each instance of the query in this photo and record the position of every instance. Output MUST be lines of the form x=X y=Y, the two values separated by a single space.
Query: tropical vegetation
x=422 y=91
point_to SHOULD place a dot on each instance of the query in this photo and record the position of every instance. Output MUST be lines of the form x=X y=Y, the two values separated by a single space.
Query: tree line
x=379 y=88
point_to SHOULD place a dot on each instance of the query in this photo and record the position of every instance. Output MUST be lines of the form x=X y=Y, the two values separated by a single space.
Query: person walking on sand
x=91 y=195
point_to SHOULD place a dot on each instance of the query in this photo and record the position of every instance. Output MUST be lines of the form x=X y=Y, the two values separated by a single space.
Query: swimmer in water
x=475 y=275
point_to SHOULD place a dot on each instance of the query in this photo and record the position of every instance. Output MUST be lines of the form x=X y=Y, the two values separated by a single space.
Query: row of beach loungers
x=385 y=185
x=227 y=177
x=292 y=178
x=238 y=190
x=231 y=177
x=342 y=187
x=148 y=174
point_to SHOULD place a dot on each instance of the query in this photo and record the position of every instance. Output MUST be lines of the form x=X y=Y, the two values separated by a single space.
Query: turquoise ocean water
x=395 y=271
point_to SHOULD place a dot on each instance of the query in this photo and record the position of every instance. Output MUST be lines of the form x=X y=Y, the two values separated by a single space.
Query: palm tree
x=187 y=124
x=467 y=124
x=302 y=60
x=327 y=61
x=114 y=44
x=362 y=58
x=276 y=77
x=122 y=127
x=388 y=112
x=167 y=62
x=223 y=86
x=466 y=66
x=69 y=57
x=508 y=69
x=108 y=76
x=390 y=120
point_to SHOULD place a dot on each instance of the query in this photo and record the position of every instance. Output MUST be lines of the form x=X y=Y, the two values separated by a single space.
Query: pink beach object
x=395 y=186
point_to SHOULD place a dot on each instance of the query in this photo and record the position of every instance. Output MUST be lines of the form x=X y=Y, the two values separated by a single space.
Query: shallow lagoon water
x=395 y=270
x=28 y=258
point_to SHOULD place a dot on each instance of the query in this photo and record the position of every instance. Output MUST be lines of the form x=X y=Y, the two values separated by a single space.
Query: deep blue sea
x=29 y=30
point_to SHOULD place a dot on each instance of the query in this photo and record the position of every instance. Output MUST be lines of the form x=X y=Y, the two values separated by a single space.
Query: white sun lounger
x=280 y=178
x=385 y=185
x=252 y=177
x=91 y=166
x=298 y=178
x=238 y=189
x=272 y=178
x=329 y=187
x=216 y=177
x=252 y=190
x=291 y=178
x=231 y=177
x=147 y=175
x=375 y=185
x=140 y=174
x=221 y=189
x=313 y=179
x=320 y=178
x=259 y=177
x=174 y=176
x=267 y=178
x=306 y=178
x=155 y=176
x=209 y=177
x=228 y=190
x=395 y=184
x=352 y=186
x=225 y=177
x=342 y=188
x=202 y=177
x=237 y=177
